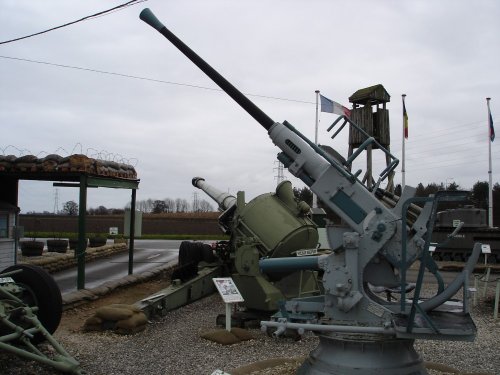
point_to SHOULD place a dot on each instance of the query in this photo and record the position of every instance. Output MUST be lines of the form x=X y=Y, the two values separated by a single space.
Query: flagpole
x=317 y=118
x=490 y=185
x=403 y=152
x=315 y=198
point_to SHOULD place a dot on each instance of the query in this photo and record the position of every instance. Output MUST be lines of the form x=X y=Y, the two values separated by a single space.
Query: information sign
x=227 y=290
x=306 y=252
x=485 y=248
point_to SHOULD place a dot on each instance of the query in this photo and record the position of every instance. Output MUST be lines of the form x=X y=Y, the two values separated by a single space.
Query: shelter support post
x=132 y=234
x=82 y=235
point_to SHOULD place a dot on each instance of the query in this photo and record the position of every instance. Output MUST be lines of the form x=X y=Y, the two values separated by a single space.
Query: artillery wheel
x=40 y=290
x=207 y=253
x=189 y=252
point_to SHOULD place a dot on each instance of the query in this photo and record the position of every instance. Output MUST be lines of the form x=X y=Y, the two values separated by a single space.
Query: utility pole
x=56 y=202
x=195 y=202
x=280 y=177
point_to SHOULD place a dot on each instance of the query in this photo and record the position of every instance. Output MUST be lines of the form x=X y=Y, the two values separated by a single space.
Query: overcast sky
x=444 y=55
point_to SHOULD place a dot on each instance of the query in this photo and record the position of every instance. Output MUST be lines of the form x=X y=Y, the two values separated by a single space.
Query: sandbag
x=113 y=313
x=138 y=319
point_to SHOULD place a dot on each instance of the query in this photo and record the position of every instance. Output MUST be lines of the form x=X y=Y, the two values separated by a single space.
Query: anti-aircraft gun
x=360 y=333
x=272 y=225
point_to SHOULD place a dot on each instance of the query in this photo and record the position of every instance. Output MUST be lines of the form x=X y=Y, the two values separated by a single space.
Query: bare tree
x=101 y=210
x=159 y=207
x=149 y=205
x=70 y=208
x=145 y=206
x=181 y=205
x=205 y=206
x=169 y=204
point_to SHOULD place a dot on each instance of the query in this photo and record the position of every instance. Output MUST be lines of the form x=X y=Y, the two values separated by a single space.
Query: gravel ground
x=172 y=345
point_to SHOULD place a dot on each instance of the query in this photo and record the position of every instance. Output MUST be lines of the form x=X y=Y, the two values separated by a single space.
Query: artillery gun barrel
x=254 y=111
x=224 y=200
x=303 y=158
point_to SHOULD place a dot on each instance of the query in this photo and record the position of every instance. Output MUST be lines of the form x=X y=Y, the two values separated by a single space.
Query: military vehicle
x=474 y=229
x=359 y=331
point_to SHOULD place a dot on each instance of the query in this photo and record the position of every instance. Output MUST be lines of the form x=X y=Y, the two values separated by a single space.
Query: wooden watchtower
x=369 y=112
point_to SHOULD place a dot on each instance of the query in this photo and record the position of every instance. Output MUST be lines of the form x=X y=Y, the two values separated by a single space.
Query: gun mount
x=359 y=332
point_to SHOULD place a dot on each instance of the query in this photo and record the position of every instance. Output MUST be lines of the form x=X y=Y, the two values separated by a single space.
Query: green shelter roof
x=372 y=95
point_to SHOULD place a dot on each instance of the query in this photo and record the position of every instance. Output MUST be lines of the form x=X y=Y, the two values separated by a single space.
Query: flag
x=490 y=123
x=405 y=119
x=330 y=106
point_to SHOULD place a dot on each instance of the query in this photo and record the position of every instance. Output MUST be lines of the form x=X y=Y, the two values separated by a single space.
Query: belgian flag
x=405 y=118
x=490 y=122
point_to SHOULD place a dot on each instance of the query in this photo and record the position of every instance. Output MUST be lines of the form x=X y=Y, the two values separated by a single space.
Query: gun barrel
x=254 y=111
x=224 y=200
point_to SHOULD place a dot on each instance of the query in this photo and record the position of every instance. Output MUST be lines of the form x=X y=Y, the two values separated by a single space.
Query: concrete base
x=363 y=355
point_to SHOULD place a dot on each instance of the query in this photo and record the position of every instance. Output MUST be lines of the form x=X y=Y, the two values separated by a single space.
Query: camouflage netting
x=121 y=318
x=73 y=163
x=224 y=337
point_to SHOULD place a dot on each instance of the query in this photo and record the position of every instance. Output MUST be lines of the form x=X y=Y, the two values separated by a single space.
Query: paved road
x=147 y=254
x=150 y=254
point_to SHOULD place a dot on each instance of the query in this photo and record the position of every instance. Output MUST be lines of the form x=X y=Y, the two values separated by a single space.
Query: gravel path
x=172 y=345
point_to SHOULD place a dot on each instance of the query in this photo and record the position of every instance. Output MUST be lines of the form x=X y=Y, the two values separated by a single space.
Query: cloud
x=442 y=55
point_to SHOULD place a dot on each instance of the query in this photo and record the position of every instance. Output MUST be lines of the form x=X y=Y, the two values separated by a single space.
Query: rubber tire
x=208 y=253
x=47 y=295
x=190 y=252
x=197 y=252
x=184 y=253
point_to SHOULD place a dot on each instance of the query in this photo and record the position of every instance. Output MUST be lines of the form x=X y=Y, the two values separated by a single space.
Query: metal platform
x=443 y=325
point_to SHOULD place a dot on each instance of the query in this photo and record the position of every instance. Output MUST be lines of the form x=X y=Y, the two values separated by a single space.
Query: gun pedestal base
x=363 y=354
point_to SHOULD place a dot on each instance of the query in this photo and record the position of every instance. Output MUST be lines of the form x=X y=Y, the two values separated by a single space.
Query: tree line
x=479 y=195
x=149 y=206
x=168 y=205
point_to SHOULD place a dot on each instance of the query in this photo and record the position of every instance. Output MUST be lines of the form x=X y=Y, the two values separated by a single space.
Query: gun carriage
x=30 y=312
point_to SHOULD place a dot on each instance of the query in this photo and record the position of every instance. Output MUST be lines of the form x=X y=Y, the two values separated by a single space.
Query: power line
x=188 y=85
x=99 y=14
x=146 y=79
x=418 y=137
x=413 y=145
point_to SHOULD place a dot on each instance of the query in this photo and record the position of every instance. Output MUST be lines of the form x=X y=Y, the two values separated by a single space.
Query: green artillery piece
x=272 y=225
x=30 y=312
x=359 y=332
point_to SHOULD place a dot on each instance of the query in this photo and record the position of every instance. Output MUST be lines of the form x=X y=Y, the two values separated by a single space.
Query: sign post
x=229 y=293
